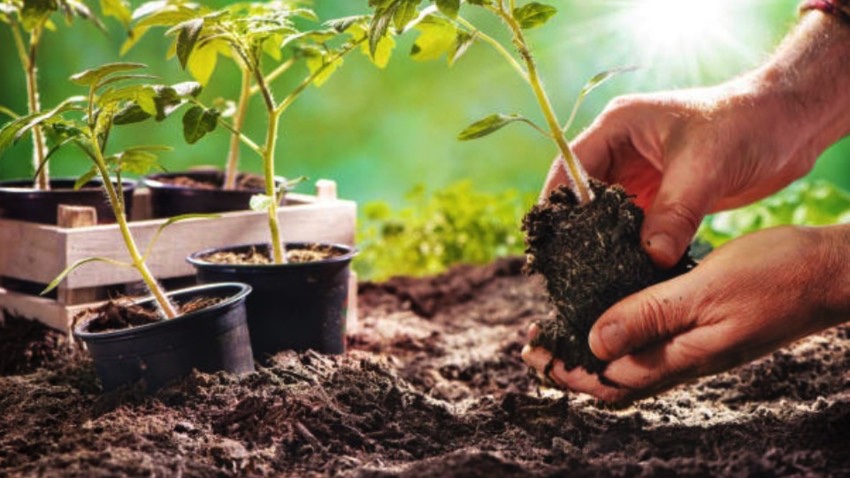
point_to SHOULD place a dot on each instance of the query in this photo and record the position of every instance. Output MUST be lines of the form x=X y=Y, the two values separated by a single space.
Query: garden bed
x=433 y=385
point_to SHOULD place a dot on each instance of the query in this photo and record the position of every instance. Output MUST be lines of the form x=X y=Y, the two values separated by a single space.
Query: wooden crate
x=33 y=254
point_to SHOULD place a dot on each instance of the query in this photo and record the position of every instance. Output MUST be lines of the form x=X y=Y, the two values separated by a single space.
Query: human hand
x=685 y=154
x=744 y=300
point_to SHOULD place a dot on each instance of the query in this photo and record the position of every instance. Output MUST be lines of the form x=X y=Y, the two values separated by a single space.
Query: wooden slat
x=35 y=252
x=30 y=251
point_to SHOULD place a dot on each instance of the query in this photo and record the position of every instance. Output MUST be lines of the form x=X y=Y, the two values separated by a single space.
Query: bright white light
x=685 y=34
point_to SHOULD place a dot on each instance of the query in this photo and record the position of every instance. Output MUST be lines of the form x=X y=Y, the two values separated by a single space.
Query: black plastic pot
x=168 y=199
x=19 y=200
x=212 y=339
x=296 y=306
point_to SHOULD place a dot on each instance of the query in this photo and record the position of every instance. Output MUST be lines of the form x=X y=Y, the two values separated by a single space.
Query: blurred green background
x=380 y=134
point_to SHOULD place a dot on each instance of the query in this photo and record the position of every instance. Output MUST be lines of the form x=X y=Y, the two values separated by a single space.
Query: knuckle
x=654 y=316
x=685 y=216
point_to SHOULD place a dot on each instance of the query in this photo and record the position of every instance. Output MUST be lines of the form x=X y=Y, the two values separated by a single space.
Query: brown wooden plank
x=38 y=253
x=31 y=251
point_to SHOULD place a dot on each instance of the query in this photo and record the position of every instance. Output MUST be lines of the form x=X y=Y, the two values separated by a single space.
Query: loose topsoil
x=433 y=385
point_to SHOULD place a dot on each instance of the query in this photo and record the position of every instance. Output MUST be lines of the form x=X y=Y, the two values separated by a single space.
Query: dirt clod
x=591 y=257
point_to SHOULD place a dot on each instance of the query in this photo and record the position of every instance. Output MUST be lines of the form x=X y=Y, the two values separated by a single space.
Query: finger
x=579 y=380
x=659 y=367
x=683 y=199
x=644 y=318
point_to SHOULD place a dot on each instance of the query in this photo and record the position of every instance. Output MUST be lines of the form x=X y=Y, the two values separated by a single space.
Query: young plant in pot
x=300 y=290
x=37 y=200
x=584 y=238
x=201 y=36
x=165 y=336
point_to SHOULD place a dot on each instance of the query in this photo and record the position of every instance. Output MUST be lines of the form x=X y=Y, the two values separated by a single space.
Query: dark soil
x=122 y=314
x=244 y=182
x=591 y=257
x=259 y=256
x=439 y=395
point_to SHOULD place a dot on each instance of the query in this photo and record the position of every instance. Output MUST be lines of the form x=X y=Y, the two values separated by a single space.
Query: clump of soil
x=244 y=182
x=122 y=314
x=28 y=345
x=262 y=255
x=591 y=257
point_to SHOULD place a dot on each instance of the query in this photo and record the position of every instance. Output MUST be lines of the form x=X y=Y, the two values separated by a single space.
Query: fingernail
x=661 y=246
x=610 y=341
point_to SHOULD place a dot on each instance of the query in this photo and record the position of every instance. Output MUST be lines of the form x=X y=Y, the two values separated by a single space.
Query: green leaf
x=463 y=41
x=187 y=37
x=322 y=66
x=8 y=112
x=197 y=122
x=94 y=75
x=119 y=78
x=534 y=14
x=85 y=178
x=593 y=83
x=170 y=221
x=260 y=202
x=167 y=99
x=448 y=8
x=436 y=37
x=202 y=62
x=383 y=52
x=491 y=124
x=55 y=282
x=36 y=12
x=142 y=95
x=17 y=128
x=405 y=12
x=138 y=159
x=117 y=9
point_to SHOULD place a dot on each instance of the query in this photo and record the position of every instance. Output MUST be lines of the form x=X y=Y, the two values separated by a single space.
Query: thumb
x=641 y=319
x=683 y=199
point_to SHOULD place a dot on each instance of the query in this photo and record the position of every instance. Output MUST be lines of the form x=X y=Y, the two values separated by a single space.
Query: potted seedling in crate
x=169 y=334
x=585 y=237
x=37 y=200
x=263 y=24
x=300 y=290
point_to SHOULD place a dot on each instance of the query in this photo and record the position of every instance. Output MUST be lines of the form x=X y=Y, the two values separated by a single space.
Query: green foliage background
x=381 y=134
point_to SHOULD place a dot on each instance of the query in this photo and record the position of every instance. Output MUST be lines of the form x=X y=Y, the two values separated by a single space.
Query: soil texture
x=591 y=257
x=262 y=255
x=244 y=182
x=440 y=394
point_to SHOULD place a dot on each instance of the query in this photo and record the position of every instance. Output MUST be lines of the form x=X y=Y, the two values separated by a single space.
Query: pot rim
x=242 y=291
x=350 y=252
x=91 y=185
x=151 y=180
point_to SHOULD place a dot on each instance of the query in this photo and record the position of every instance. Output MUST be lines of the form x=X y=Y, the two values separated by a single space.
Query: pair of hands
x=683 y=155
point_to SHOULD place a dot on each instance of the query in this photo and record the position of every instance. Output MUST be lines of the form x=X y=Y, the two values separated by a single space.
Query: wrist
x=805 y=81
x=834 y=277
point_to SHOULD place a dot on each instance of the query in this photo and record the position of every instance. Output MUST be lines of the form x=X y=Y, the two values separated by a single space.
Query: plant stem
x=138 y=262
x=575 y=171
x=500 y=49
x=232 y=168
x=42 y=180
x=279 y=252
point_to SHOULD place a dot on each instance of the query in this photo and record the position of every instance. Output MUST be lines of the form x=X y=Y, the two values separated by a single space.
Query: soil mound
x=440 y=394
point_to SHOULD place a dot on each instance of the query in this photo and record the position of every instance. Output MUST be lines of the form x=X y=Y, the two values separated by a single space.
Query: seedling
x=443 y=31
x=87 y=122
x=28 y=20
x=250 y=33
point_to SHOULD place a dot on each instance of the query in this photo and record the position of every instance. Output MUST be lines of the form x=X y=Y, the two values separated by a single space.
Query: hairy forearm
x=808 y=77
x=836 y=274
